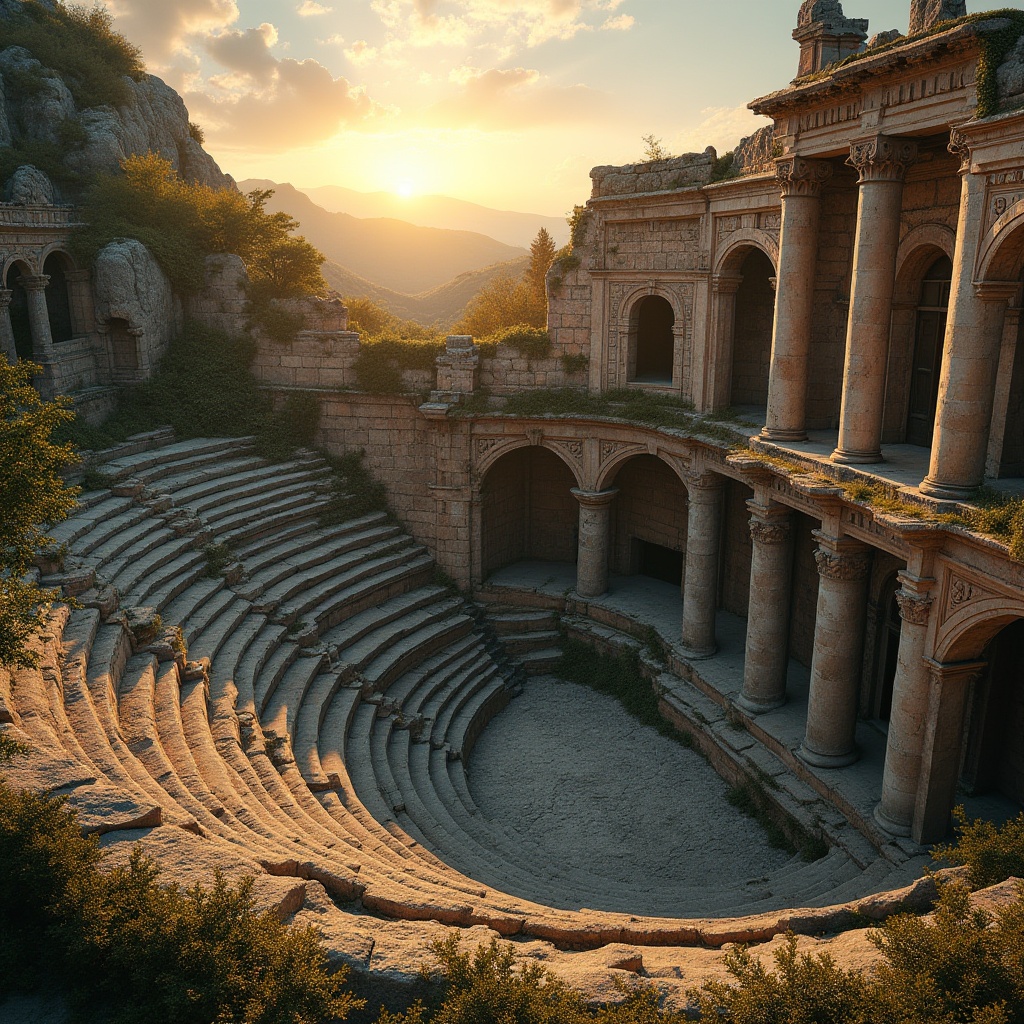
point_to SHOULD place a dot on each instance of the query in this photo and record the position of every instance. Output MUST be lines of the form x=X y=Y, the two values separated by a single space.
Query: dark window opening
x=58 y=304
x=659 y=563
x=21 y=325
x=928 y=342
x=654 y=340
x=124 y=349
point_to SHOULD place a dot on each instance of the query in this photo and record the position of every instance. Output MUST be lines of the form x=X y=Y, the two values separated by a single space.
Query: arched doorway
x=993 y=760
x=58 y=300
x=929 y=335
x=652 y=341
x=20 y=322
x=650 y=521
x=124 y=350
x=528 y=511
x=752 y=334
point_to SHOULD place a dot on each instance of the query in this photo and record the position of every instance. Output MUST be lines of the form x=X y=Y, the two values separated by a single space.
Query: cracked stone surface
x=602 y=794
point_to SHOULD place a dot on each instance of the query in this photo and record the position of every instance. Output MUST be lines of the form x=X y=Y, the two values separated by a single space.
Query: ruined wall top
x=926 y=14
x=686 y=171
x=826 y=35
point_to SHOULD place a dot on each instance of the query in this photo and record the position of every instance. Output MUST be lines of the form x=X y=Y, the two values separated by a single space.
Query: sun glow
x=405 y=189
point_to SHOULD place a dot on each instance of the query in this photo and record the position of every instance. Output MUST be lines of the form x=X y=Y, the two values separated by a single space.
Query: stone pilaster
x=909 y=717
x=949 y=687
x=771 y=568
x=7 y=346
x=801 y=182
x=882 y=163
x=843 y=567
x=970 y=359
x=700 y=585
x=595 y=541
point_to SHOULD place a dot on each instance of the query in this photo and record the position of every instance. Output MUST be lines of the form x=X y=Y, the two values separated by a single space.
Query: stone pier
x=594 y=543
x=700 y=583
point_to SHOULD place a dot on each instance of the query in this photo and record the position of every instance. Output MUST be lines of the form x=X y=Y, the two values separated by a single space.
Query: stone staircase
x=308 y=711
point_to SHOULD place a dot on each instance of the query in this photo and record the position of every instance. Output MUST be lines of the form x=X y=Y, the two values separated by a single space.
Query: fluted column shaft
x=700 y=586
x=39 y=317
x=595 y=541
x=7 y=345
x=882 y=163
x=902 y=774
x=829 y=740
x=771 y=569
x=970 y=359
x=801 y=181
x=948 y=689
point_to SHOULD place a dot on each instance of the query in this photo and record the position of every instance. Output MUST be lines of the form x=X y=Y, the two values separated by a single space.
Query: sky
x=507 y=103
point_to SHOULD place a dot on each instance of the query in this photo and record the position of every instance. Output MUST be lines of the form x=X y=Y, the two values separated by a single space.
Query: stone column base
x=753 y=708
x=698 y=655
x=892 y=828
x=851 y=458
x=812 y=757
x=947 y=492
x=778 y=434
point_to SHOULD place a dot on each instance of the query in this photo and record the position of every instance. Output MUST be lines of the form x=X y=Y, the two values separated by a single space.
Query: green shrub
x=991 y=852
x=382 y=360
x=355 y=493
x=577 y=362
x=531 y=342
x=80 y=44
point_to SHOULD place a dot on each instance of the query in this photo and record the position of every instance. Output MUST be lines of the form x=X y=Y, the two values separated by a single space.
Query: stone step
x=178 y=472
x=256 y=507
x=253 y=662
x=360 y=765
x=195 y=474
x=330 y=742
x=175 y=608
x=171 y=580
x=84 y=521
x=518 y=644
x=271 y=524
x=128 y=575
x=358 y=626
x=514 y=622
x=92 y=544
x=200 y=616
x=138 y=540
x=218 y=631
x=430 y=696
x=278 y=717
x=478 y=689
x=251 y=494
x=220 y=483
x=472 y=718
x=273 y=670
x=435 y=670
x=193 y=451
x=539 y=662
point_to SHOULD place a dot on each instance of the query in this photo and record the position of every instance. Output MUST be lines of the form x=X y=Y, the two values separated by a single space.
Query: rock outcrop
x=1010 y=78
x=36 y=102
x=926 y=14
x=755 y=154
x=28 y=186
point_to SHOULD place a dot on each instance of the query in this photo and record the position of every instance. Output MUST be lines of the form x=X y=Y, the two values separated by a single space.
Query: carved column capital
x=595 y=499
x=726 y=284
x=770 y=532
x=845 y=566
x=35 y=282
x=703 y=485
x=960 y=147
x=963 y=674
x=799 y=177
x=882 y=158
x=5 y=297
x=914 y=608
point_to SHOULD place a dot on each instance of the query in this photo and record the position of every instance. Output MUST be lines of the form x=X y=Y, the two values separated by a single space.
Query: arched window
x=930 y=333
x=752 y=333
x=652 y=341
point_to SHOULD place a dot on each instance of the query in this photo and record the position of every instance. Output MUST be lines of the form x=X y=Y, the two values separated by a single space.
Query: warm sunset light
x=405 y=190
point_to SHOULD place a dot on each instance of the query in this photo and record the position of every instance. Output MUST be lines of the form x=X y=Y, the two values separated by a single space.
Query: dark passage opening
x=659 y=563
x=655 y=343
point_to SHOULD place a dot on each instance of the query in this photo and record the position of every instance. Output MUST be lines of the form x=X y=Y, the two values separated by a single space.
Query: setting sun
x=405 y=189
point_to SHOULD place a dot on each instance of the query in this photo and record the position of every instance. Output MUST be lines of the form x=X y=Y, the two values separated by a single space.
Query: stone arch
x=1002 y=249
x=58 y=267
x=915 y=255
x=738 y=247
x=964 y=636
x=652 y=340
x=527 y=509
x=21 y=326
x=650 y=517
x=744 y=327
x=487 y=458
x=606 y=478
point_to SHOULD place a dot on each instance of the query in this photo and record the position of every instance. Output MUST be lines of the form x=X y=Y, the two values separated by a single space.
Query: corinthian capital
x=845 y=566
x=882 y=157
x=799 y=177
x=960 y=147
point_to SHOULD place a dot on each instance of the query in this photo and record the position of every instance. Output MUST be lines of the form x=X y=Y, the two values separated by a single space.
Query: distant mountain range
x=441 y=212
x=393 y=254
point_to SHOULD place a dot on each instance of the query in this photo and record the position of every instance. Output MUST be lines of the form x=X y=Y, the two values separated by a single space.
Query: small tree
x=654 y=149
x=33 y=498
x=505 y=302
x=542 y=255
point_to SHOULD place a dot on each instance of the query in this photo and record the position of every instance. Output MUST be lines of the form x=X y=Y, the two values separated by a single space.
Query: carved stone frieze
x=799 y=177
x=484 y=445
x=882 y=158
x=846 y=567
x=574 y=449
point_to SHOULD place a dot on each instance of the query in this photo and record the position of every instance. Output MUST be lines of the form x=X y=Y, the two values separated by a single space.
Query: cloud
x=620 y=23
x=246 y=52
x=361 y=52
x=161 y=29
x=311 y=9
x=302 y=104
x=509 y=98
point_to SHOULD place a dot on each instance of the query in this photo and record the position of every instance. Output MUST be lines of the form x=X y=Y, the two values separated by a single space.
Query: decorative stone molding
x=843 y=566
x=595 y=499
x=775 y=531
x=574 y=449
x=799 y=177
x=914 y=608
x=704 y=483
x=35 y=282
x=882 y=158
x=960 y=146
x=535 y=435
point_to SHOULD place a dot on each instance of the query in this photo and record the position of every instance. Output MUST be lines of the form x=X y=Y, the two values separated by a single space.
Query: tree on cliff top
x=181 y=223
x=33 y=498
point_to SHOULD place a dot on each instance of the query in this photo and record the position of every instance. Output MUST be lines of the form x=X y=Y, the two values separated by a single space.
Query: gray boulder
x=37 y=108
x=1010 y=77
x=29 y=187
x=926 y=14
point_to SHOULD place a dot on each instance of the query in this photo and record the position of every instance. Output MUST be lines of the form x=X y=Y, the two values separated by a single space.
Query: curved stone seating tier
x=318 y=725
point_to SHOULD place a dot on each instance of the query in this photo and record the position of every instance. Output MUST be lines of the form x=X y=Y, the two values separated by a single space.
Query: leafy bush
x=181 y=223
x=991 y=852
x=382 y=359
x=531 y=342
x=80 y=44
x=578 y=362
x=355 y=492
x=33 y=498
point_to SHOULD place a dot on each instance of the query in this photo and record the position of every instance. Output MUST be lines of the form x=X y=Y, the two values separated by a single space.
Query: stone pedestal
x=970 y=358
x=7 y=346
x=909 y=717
x=771 y=568
x=595 y=541
x=700 y=585
x=801 y=182
x=948 y=689
x=882 y=163
x=843 y=566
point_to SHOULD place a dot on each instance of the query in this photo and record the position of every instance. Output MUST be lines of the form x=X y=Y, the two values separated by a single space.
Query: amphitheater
x=363 y=715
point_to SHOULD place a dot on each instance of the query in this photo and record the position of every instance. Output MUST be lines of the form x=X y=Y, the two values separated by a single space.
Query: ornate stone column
x=7 y=346
x=882 y=162
x=595 y=541
x=970 y=359
x=771 y=569
x=948 y=690
x=909 y=710
x=843 y=566
x=801 y=182
x=724 y=289
x=39 y=317
x=700 y=585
